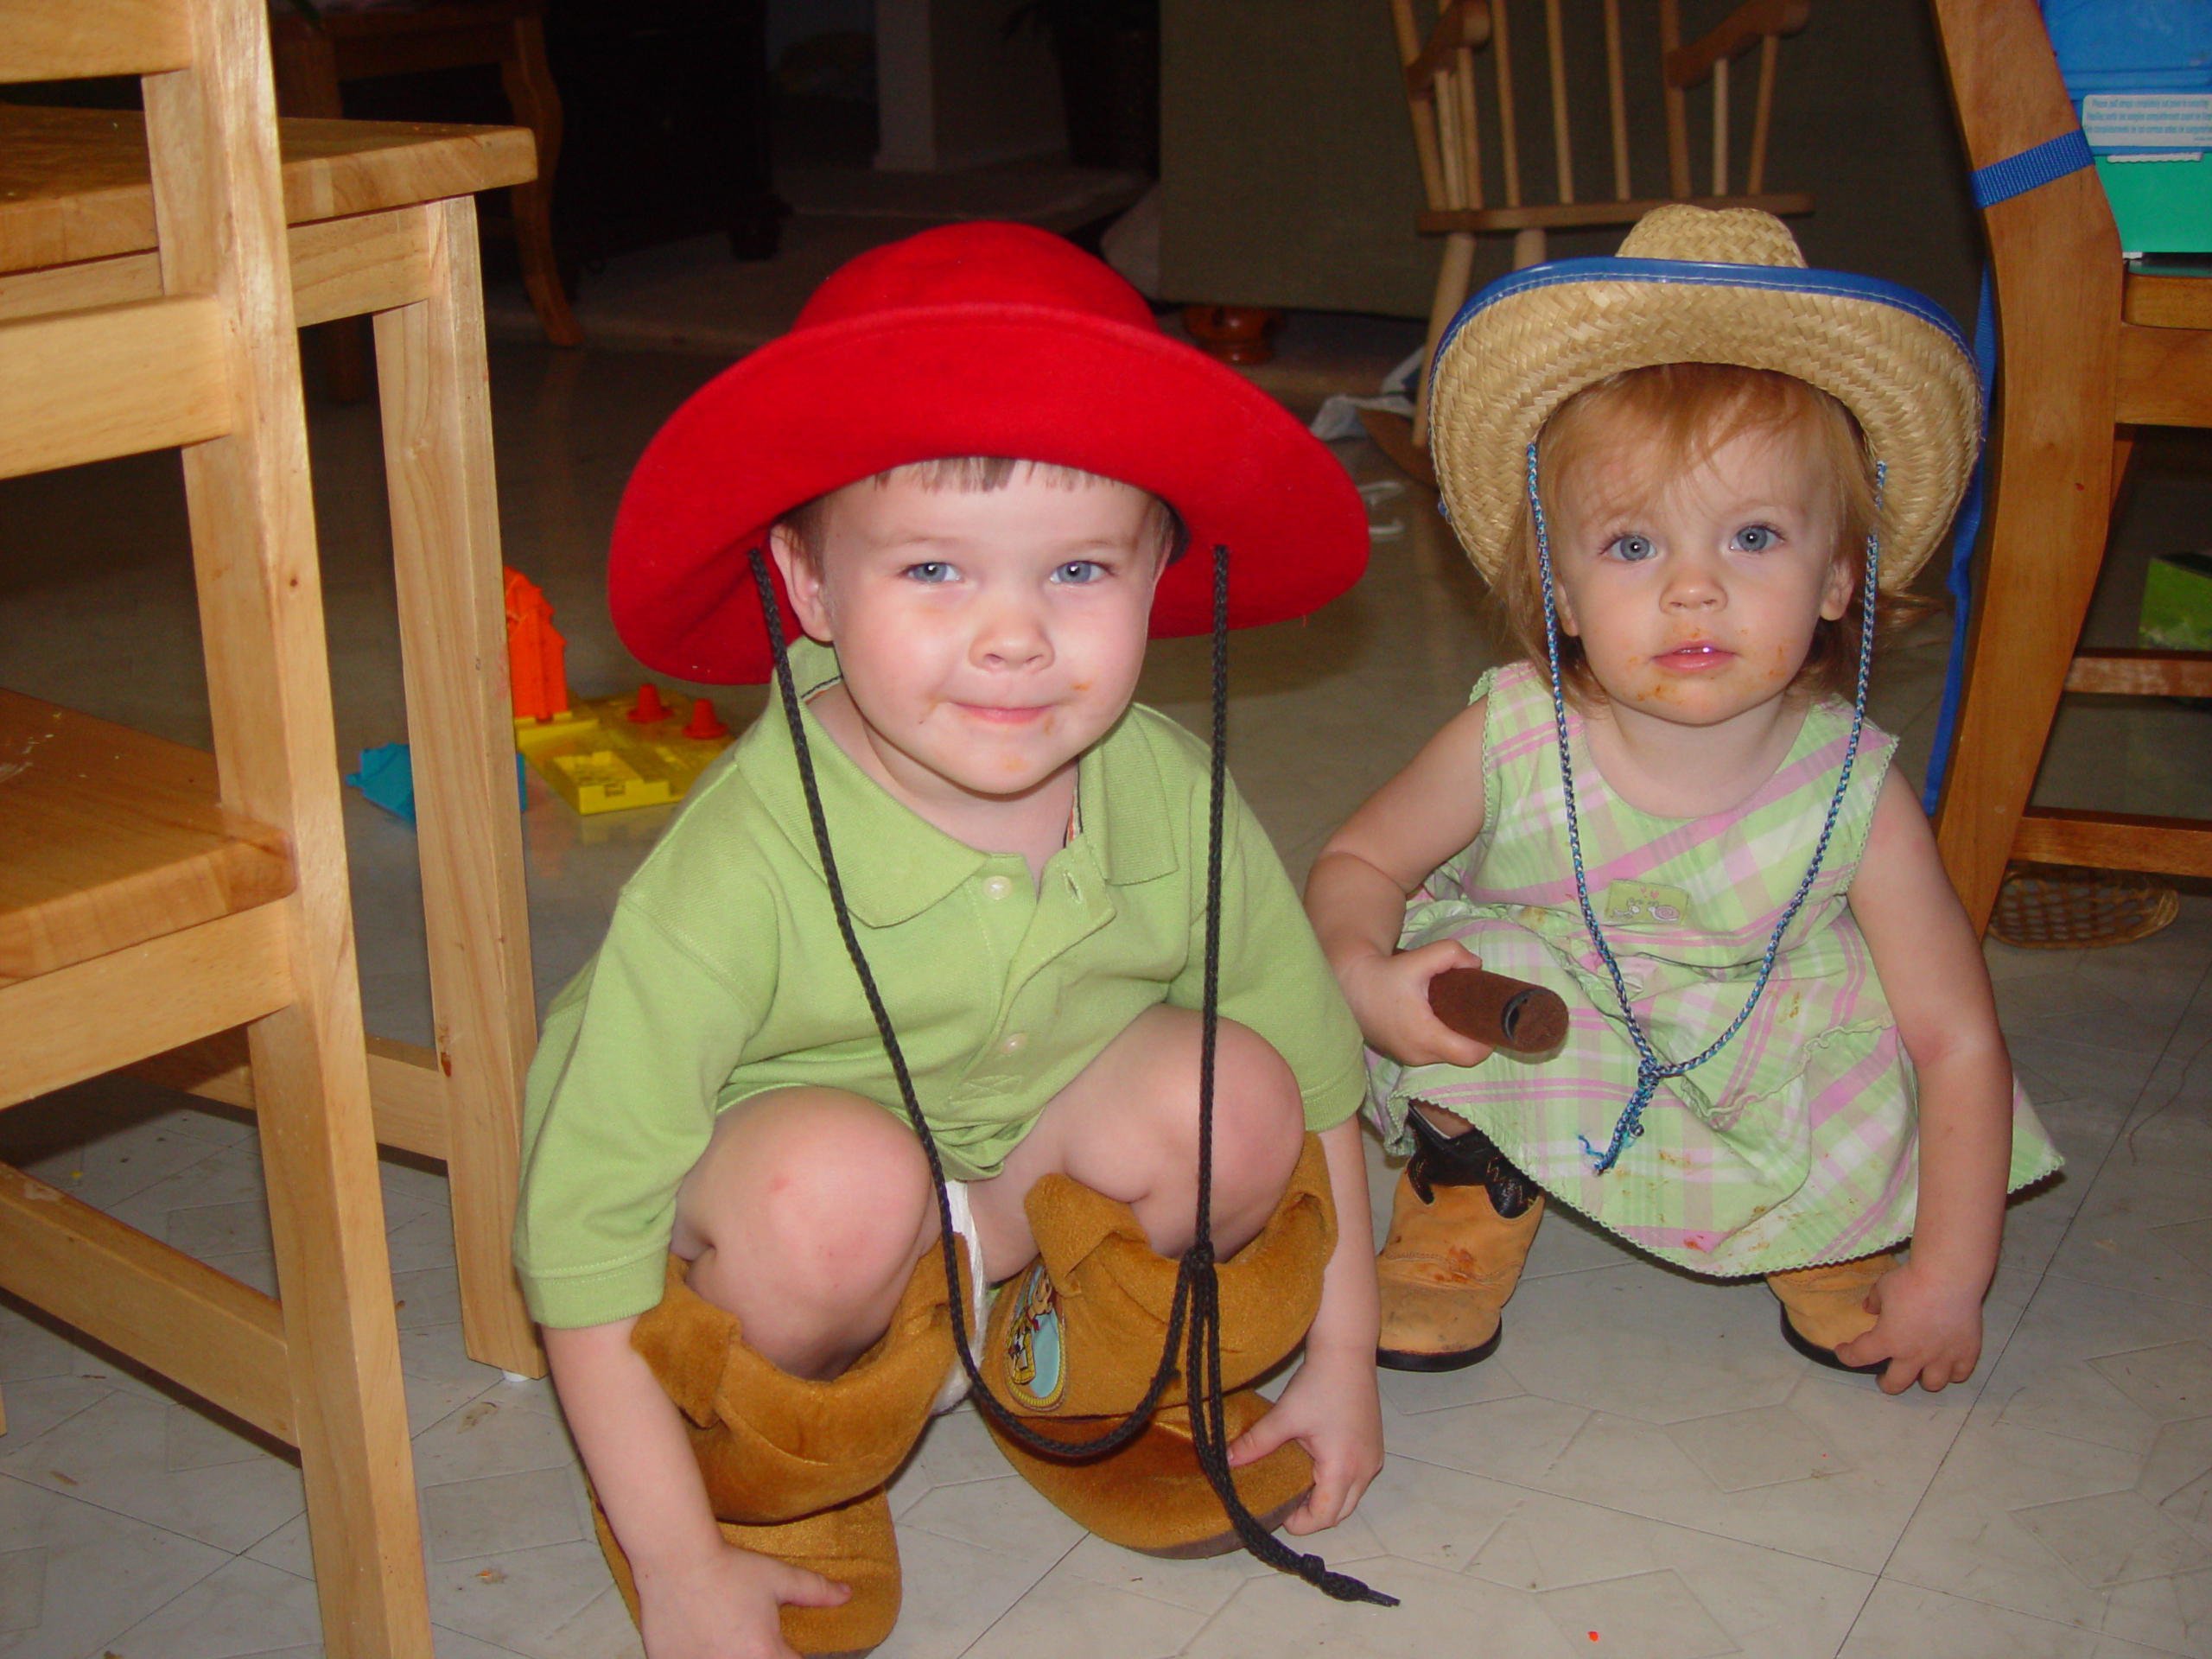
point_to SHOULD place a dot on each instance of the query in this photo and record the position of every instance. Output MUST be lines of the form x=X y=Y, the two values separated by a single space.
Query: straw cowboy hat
x=971 y=339
x=1699 y=285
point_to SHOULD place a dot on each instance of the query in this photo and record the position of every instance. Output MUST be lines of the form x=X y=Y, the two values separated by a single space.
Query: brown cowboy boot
x=1824 y=1308
x=794 y=1468
x=1461 y=1223
x=1074 y=1341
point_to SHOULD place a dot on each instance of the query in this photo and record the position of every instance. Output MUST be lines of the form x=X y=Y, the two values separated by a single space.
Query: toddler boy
x=976 y=462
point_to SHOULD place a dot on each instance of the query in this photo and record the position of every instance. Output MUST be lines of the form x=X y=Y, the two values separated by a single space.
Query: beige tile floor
x=1644 y=1469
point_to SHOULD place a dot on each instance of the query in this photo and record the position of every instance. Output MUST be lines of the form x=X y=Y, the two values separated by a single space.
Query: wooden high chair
x=1441 y=91
x=149 y=896
x=2087 y=351
x=383 y=222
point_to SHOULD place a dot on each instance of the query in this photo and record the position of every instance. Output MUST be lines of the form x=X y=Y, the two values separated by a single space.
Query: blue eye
x=1078 y=572
x=1757 y=538
x=1631 y=549
x=932 y=570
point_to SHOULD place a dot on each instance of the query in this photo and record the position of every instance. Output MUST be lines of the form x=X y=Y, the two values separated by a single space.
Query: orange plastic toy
x=537 y=656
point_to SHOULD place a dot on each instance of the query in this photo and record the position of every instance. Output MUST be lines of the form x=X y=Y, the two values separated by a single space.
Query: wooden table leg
x=536 y=105
x=445 y=533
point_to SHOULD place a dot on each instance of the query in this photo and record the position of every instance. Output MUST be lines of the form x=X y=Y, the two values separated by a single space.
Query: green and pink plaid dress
x=1795 y=1144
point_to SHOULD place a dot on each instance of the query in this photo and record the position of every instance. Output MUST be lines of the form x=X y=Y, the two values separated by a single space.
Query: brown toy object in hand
x=1508 y=1013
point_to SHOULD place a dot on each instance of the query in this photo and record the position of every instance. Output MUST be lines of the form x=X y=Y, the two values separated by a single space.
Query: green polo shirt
x=723 y=974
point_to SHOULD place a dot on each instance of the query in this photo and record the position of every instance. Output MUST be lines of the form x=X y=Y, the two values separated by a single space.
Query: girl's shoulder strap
x=1814 y=759
x=1518 y=691
x=1517 y=719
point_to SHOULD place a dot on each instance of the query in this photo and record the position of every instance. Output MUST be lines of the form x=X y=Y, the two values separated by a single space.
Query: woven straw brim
x=1507 y=363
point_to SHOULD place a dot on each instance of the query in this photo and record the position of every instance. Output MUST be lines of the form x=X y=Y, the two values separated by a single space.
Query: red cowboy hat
x=971 y=339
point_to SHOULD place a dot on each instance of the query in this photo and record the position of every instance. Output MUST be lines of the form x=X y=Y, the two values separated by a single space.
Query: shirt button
x=997 y=886
x=1013 y=1043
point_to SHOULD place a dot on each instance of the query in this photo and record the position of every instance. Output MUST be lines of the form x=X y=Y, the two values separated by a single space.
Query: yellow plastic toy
x=599 y=755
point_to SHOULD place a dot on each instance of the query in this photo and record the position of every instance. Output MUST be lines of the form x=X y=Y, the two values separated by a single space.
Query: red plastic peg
x=704 y=723
x=649 y=708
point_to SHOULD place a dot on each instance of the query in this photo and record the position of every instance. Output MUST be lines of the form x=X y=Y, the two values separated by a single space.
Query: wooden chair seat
x=2153 y=300
x=74 y=184
x=112 y=837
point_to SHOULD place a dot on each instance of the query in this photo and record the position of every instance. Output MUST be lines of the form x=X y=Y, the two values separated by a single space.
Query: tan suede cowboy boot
x=793 y=1468
x=1074 y=1339
x=1824 y=1308
x=1461 y=1223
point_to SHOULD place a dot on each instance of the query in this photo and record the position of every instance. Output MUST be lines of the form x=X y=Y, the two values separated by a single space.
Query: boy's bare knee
x=818 y=1202
x=1259 y=1120
x=1259 y=1115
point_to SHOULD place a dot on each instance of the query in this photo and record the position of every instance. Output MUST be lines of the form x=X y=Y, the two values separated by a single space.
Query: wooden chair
x=149 y=896
x=313 y=59
x=1443 y=92
x=2089 y=351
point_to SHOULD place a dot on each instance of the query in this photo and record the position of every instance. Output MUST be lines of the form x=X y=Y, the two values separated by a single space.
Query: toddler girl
x=1684 y=471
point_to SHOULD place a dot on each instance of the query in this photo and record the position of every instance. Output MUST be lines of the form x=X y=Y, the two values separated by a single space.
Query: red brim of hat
x=828 y=405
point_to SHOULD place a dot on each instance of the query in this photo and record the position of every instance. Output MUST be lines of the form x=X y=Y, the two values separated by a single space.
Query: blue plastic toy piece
x=386 y=778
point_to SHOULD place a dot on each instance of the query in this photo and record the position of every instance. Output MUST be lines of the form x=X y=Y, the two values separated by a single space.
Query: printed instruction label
x=2148 y=120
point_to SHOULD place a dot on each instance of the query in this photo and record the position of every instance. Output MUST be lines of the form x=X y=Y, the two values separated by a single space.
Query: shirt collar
x=892 y=864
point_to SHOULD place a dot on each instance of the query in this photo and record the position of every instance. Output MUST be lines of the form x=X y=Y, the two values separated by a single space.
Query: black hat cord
x=1194 y=1317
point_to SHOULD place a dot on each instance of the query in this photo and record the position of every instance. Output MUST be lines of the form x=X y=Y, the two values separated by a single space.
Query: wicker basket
x=2067 y=908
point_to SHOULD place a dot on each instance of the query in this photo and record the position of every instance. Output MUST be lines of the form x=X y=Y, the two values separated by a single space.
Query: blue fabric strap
x=2055 y=158
x=2016 y=175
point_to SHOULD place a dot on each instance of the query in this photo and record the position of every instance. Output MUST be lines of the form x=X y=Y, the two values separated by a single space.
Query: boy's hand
x=725 y=1606
x=1331 y=1408
x=1928 y=1328
x=1388 y=997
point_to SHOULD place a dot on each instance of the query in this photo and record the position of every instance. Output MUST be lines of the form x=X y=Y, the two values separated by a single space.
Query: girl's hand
x=1929 y=1329
x=724 y=1606
x=1389 y=998
x=1331 y=1408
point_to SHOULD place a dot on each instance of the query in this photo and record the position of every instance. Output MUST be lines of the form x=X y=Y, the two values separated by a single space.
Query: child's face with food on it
x=1695 y=591
x=987 y=637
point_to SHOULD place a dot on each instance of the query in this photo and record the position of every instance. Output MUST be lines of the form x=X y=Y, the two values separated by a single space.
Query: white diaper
x=963 y=1223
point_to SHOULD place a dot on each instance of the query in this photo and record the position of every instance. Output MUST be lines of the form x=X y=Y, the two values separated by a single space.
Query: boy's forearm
x=1966 y=1152
x=1350 y=1315
x=634 y=1447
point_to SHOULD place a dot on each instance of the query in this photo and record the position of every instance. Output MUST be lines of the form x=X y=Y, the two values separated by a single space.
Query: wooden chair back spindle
x=1440 y=79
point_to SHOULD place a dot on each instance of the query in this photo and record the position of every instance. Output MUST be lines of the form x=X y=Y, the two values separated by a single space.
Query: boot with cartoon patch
x=795 y=1468
x=1461 y=1223
x=1074 y=1339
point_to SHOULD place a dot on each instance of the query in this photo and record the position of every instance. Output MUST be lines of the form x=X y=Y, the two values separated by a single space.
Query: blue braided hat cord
x=1650 y=1070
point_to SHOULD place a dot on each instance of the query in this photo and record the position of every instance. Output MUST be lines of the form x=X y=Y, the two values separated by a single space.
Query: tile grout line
x=225 y=1557
x=1041 y=1577
x=1638 y=1515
